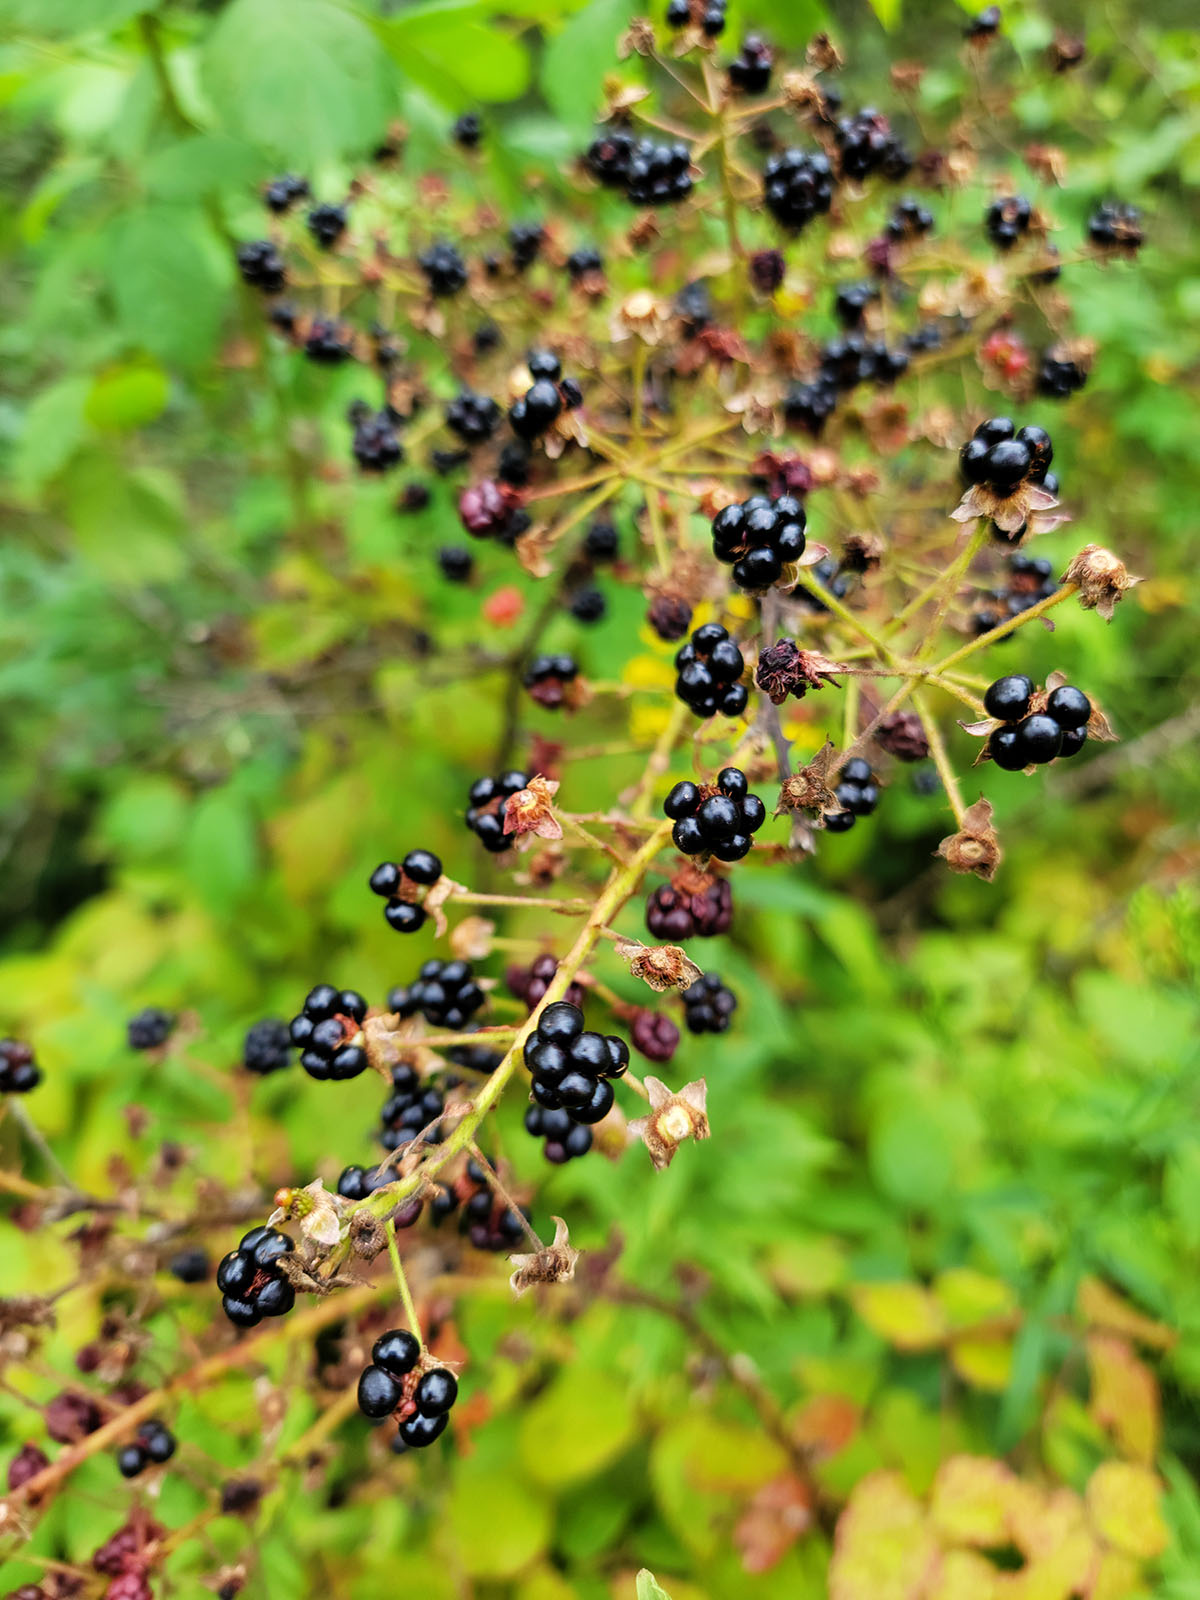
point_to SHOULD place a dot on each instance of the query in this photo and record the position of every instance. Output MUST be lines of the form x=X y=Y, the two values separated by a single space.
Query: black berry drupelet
x=571 y=1067
x=473 y=417
x=327 y=224
x=708 y=669
x=750 y=69
x=565 y=1139
x=455 y=563
x=658 y=174
x=149 y=1029
x=282 y=193
x=716 y=819
x=984 y=26
x=584 y=263
x=708 y=1005
x=851 y=301
x=1008 y=698
x=1007 y=219
x=909 y=220
x=467 y=131
x=536 y=410
x=679 y=13
x=267 y=1046
x=797 y=186
x=858 y=794
x=400 y=886
x=683 y=910
x=375 y=446
x=549 y=678
x=608 y=157
x=444 y=992
x=327 y=1031
x=251 y=1284
x=261 y=266
x=445 y=270
x=759 y=538
x=588 y=605
x=19 y=1072
x=487 y=799
x=1002 y=458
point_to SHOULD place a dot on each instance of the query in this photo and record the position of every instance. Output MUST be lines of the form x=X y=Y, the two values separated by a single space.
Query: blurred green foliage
x=947 y=1105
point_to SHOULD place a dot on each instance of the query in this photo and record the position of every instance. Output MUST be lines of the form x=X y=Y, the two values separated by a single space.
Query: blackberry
x=537 y=409
x=375 y=446
x=487 y=799
x=444 y=992
x=708 y=669
x=1031 y=578
x=653 y=1035
x=750 y=70
x=327 y=342
x=867 y=145
x=399 y=886
x=810 y=405
x=261 y=266
x=282 y=193
x=327 y=224
x=601 y=542
x=909 y=220
x=858 y=795
x=487 y=510
x=1008 y=698
x=1032 y=741
x=708 y=1005
x=588 y=605
x=154 y=1444
x=586 y=262
x=927 y=337
x=467 y=130
x=190 y=1266
x=473 y=417
x=1002 y=458
x=549 y=678
x=267 y=1046
x=1059 y=377
x=716 y=819
x=759 y=538
x=475 y=1058
x=565 y=1139
x=525 y=240
x=19 y=1072
x=414 y=497
x=985 y=26
x=797 y=186
x=658 y=174
x=670 y=615
x=712 y=19
x=677 y=910
x=487 y=336
x=530 y=983
x=445 y=270
x=767 y=270
x=608 y=158
x=679 y=13
x=571 y=1067
x=456 y=563
x=1116 y=225
x=1006 y=220
x=694 y=308
x=379 y=1393
x=251 y=1284
x=851 y=301
x=149 y=1029
x=327 y=1031
x=1069 y=707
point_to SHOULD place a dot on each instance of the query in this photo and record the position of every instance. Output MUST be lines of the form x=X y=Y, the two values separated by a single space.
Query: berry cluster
x=530 y=983
x=467 y=130
x=473 y=417
x=708 y=1005
x=1116 y=225
x=398 y=1382
x=329 y=1034
x=267 y=1046
x=149 y=1029
x=690 y=906
x=853 y=359
x=571 y=1068
x=282 y=193
x=759 y=538
x=1059 y=377
x=444 y=992
x=858 y=795
x=1002 y=457
x=445 y=270
x=326 y=223
x=19 y=1072
x=154 y=1444
x=750 y=69
x=1029 y=736
x=797 y=186
x=867 y=145
x=909 y=220
x=546 y=398
x=1031 y=579
x=653 y=1035
x=251 y=1284
x=565 y=1138
x=261 y=266
x=400 y=886
x=488 y=799
x=491 y=510
x=715 y=819
x=708 y=669
x=375 y=446
x=486 y=1220
x=1007 y=219
x=411 y=1106
x=549 y=678
x=708 y=15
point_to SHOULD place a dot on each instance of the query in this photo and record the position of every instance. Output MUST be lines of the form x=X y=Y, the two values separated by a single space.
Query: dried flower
x=811 y=789
x=1101 y=578
x=784 y=670
x=975 y=847
x=672 y=1118
x=555 y=1263
x=659 y=966
x=532 y=810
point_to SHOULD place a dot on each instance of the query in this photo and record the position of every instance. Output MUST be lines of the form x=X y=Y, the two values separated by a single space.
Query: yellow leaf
x=971 y=1499
x=1117 y=1578
x=807 y=1266
x=1124 y=1501
x=964 y=1575
x=883 y=1549
x=648 y=672
x=984 y=1363
x=647 y=720
x=1101 y=1307
x=1124 y=1395
x=968 y=1298
x=905 y=1314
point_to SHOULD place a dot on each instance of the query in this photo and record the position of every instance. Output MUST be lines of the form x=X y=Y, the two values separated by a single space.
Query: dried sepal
x=1009 y=512
x=822 y=54
x=1101 y=578
x=533 y=549
x=553 y=1264
x=531 y=810
x=472 y=939
x=637 y=40
x=811 y=789
x=975 y=847
x=783 y=669
x=659 y=966
x=672 y=1118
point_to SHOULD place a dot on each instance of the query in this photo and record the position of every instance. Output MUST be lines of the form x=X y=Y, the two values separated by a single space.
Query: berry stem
x=410 y=1310
x=947 y=588
x=1038 y=610
x=937 y=749
x=496 y=1185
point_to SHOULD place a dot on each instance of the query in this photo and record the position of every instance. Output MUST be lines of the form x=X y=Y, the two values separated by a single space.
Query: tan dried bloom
x=553 y=1264
x=472 y=939
x=531 y=810
x=367 y=1235
x=801 y=91
x=1009 y=512
x=1101 y=578
x=975 y=847
x=637 y=40
x=672 y=1118
x=643 y=315
x=659 y=966
x=317 y=1212
x=1047 y=162
x=811 y=789
x=822 y=54
x=907 y=76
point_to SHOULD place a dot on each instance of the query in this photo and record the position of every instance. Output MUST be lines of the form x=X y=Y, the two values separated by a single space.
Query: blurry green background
x=212 y=726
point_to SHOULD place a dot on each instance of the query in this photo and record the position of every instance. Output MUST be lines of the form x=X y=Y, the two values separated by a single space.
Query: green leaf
x=498 y=1524
x=649 y=1588
x=573 y=1430
x=888 y=12
x=127 y=397
x=52 y=430
x=71 y=16
x=169 y=292
x=578 y=58
x=221 y=850
x=127 y=525
x=303 y=79
x=459 y=61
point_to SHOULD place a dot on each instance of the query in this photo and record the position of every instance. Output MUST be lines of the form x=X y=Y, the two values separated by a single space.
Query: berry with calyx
x=149 y=1029
x=1031 y=742
x=261 y=266
x=375 y=446
x=445 y=270
x=708 y=1005
x=544 y=364
x=658 y=174
x=570 y=1066
x=327 y=224
x=708 y=669
x=1115 y=225
x=670 y=615
x=444 y=992
x=399 y=886
x=267 y=1046
x=588 y=605
x=537 y=409
x=467 y=130
x=456 y=563
x=525 y=240
x=190 y=1266
x=759 y=538
x=1007 y=219
x=607 y=158
x=750 y=70
x=654 y=1036
x=851 y=301
x=1059 y=377
x=436 y=1392
x=1008 y=698
x=19 y=1072
x=985 y=26
x=396 y=1351
x=251 y=1283
x=530 y=983
x=473 y=417
x=282 y=193
x=584 y=264
x=797 y=186
x=328 y=1033
x=909 y=220
x=716 y=819
x=1002 y=458
x=867 y=144
x=487 y=800
x=328 y=343
x=549 y=678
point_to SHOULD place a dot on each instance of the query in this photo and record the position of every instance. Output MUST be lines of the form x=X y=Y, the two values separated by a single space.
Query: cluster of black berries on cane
x=1031 y=735
x=413 y=1105
x=708 y=1006
x=1002 y=457
x=709 y=668
x=153 y=1445
x=858 y=795
x=572 y=1067
x=549 y=678
x=487 y=1221
x=564 y=1139
x=692 y=905
x=759 y=538
x=715 y=819
x=488 y=799
x=444 y=992
x=267 y=1046
x=329 y=1034
x=402 y=1381
x=401 y=885
x=251 y=1283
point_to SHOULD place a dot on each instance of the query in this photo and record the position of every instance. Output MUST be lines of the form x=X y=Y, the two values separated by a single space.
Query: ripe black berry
x=328 y=343
x=375 y=446
x=1008 y=698
x=708 y=669
x=398 y=885
x=189 y=1266
x=1059 y=377
x=378 y=1393
x=750 y=70
x=1069 y=707
x=19 y=1072
x=570 y=1067
x=419 y=1431
x=658 y=174
x=851 y=301
x=1007 y=219
x=473 y=417
x=810 y=405
x=251 y=1283
x=328 y=1034
x=549 y=677
x=536 y=410
x=396 y=1351
x=586 y=262
x=327 y=224
x=565 y=1139
x=1036 y=739
x=909 y=219
x=588 y=605
x=867 y=144
x=444 y=992
x=797 y=186
x=436 y=1392
x=525 y=240
x=708 y=1005
x=607 y=158
x=487 y=799
x=281 y=193
x=717 y=821
x=759 y=538
x=456 y=563
x=261 y=266
x=1116 y=225
x=267 y=1046
x=444 y=269
x=149 y=1029
x=1002 y=459
x=467 y=131
x=858 y=794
